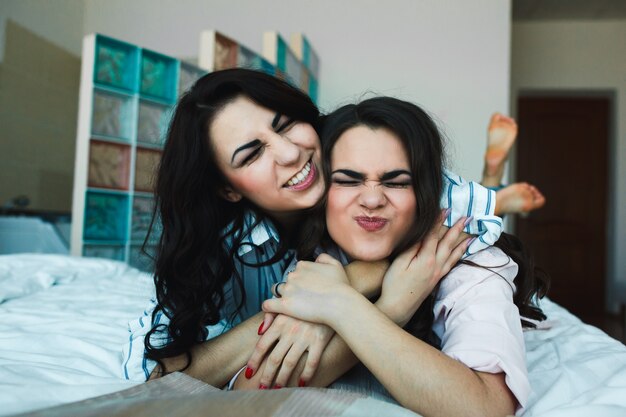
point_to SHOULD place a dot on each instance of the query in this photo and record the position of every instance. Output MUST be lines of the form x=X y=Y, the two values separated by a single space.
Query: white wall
x=59 y=21
x=583 y=55
x=450 y=56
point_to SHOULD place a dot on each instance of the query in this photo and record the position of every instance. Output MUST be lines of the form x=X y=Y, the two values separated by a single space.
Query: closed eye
x=256 y=152
x=346 y=182
x=397 y=184
x=288 y=124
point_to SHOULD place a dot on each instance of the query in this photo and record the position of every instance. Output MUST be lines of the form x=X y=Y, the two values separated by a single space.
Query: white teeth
x=296 y=179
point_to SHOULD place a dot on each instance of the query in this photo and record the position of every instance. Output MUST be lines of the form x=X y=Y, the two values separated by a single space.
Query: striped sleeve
x=470 y=199
x=135 y=365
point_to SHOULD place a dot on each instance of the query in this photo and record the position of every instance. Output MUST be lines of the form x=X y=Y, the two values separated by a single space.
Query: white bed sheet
x=64 y=343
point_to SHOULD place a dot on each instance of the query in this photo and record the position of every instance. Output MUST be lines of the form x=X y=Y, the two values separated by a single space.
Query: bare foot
x=501 y=134
x=520 y=197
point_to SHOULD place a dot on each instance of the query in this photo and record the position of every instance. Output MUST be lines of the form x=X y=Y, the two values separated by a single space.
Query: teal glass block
x=143 y=208
x=159 y=78
x=188 y=75
x=281 y=52
x=267 y=68
x=106 y=216
x=306 y=50
x=152 y=122
x=313 y=89
x=112 y=115
x=116 y=64
x=115 y=252
x=140 y=259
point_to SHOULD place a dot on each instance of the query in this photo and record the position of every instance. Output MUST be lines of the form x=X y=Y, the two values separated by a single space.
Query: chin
x=369 y=254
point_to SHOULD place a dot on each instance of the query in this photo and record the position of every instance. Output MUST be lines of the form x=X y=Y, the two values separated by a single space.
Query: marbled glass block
x=225 y=54
x=152 y=122
x=109 y=165
x=115 y=252
x=142 y=215
x=187 y=77
x=106 y=216
x=158 y=76
x=146 y=163
x=116 y=64
x=294 y=69
x=144 y=261
x=112 y=115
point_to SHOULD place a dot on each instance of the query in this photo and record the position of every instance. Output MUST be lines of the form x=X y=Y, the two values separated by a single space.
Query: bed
x=63 y=321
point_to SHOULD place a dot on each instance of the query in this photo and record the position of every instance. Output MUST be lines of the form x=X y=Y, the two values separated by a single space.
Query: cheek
x=305 y=135
x=406 y=206
x=255 y=178
x=337 y=210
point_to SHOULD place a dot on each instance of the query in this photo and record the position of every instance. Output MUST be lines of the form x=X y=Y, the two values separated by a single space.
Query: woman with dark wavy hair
x=240 y=167
x=383 y=161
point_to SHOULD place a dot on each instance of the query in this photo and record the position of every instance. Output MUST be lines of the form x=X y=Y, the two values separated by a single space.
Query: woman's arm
x=215 y=361
x=419 y=376
x=337 y=358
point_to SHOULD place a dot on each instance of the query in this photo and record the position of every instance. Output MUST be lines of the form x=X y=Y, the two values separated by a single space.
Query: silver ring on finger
x=276 y=289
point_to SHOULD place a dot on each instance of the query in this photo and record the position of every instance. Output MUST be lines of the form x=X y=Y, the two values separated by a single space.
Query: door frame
x=612 y=301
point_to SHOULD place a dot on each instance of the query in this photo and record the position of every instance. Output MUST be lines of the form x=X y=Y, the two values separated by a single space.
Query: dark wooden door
x=563 y=149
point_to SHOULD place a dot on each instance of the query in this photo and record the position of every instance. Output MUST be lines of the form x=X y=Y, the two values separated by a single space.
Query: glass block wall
x=297 y=63
x=126 y=98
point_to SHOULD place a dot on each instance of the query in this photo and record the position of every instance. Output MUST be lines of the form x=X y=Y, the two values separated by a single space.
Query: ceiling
x=568 y=9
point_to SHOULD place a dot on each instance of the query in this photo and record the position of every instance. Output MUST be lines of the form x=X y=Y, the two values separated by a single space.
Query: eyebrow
x=385 y=177
x=248 y=145
x=393 y=174
x=349 y=173
x=276 y=119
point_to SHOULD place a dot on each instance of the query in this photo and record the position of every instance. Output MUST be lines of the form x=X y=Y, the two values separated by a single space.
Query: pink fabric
x=478 y=323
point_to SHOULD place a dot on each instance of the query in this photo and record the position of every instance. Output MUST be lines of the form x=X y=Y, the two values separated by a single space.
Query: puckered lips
x=304 y=178
x=371 y=224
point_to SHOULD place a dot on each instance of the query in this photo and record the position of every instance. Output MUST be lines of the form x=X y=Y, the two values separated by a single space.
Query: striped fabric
x=465 y=198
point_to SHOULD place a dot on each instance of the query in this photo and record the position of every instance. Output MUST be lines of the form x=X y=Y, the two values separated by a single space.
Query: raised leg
x=501 y=134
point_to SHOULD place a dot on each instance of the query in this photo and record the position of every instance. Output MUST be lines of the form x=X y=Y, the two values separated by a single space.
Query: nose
x=372 y=197
x=285 y=151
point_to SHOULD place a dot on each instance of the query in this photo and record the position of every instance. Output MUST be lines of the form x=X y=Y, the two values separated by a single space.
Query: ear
x=231 y=195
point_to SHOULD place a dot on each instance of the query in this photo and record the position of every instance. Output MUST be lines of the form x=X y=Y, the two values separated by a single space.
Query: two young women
x=241 y=167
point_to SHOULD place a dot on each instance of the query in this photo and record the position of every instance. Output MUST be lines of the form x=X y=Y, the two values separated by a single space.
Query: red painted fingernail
x=249 y=372
x=260 y=331
x=262 y=386
x=278 y=386
x=301 y=383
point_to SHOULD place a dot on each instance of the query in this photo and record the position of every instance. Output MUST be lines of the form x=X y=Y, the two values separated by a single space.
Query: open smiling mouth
x=304 y=178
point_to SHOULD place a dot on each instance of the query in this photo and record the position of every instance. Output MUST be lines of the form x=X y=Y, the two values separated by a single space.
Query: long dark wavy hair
x=192 y=260
x=424 y=146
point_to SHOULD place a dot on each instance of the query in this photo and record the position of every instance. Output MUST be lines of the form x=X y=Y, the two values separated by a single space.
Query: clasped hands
x=298 y=326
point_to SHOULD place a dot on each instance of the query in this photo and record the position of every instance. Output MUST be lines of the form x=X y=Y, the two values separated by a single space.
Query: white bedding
x=62 y=342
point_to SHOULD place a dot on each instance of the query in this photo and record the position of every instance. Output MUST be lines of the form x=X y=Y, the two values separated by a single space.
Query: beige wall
x=577 y=56
x=39 y=102
x=450 y=56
